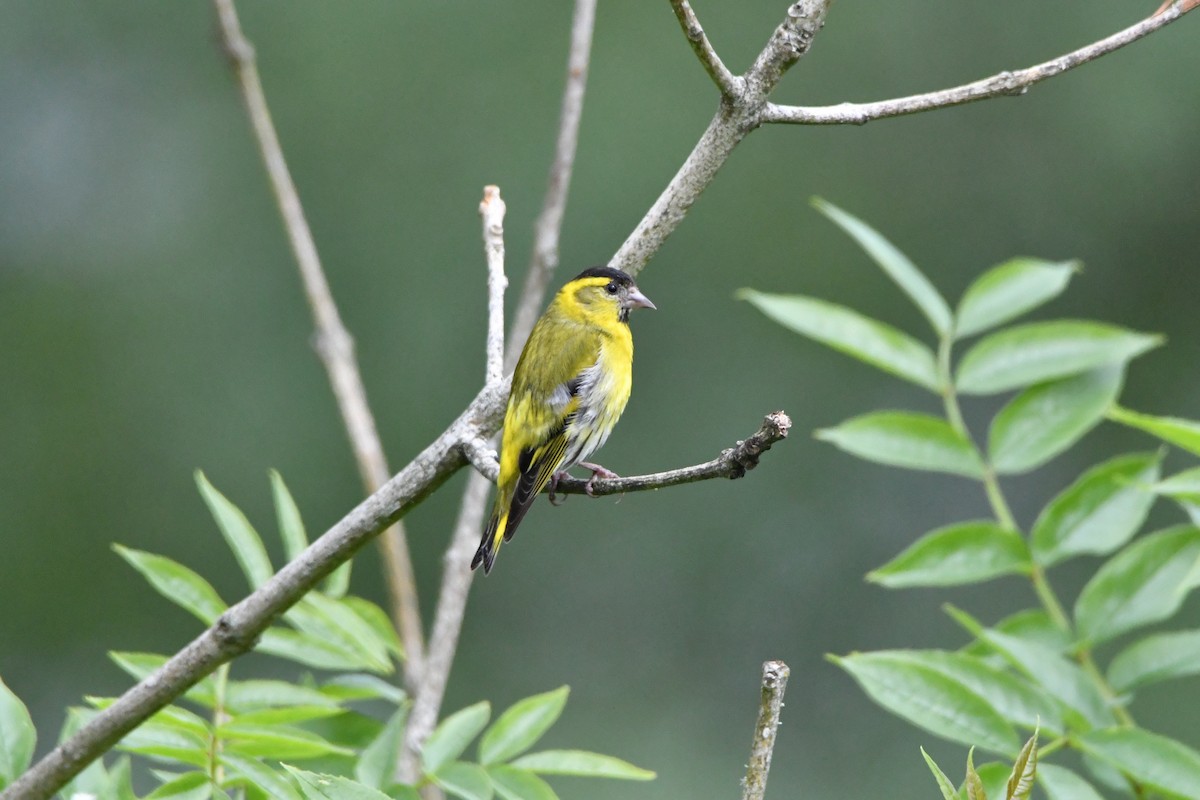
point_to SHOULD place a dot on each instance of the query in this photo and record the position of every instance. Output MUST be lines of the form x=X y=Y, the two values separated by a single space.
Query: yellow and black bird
x=568 y=391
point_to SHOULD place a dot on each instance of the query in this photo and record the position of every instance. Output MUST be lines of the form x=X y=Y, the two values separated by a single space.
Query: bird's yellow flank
x=568 y=391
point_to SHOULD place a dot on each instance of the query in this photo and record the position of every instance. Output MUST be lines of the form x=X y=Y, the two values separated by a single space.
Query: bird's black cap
x=606 y=272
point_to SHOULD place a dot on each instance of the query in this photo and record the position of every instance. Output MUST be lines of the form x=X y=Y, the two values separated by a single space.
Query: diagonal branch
x=333 y=343
x=732 y=463
x=729 y=84
x=1004 y=83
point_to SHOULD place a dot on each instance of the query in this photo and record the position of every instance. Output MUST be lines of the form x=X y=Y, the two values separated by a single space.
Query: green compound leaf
x=1060 y=783
x=582 y=764
x=519 y=728
x=1183 y=433
x=1046 y=419
x=849 y=332
x=1146 y=582
x=930 y=699
x=1152 y=760
x=895 y=264
x=1099 y=512
x=452 y=735
x=17 y=736
x=1158 y=657
x=1043 y=351
x=1009 y=290
x=906 y=439
x=239 y=534
x=177 y=583
x=967 y=552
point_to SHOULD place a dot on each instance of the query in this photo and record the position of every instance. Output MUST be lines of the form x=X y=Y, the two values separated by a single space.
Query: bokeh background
x=151 y=323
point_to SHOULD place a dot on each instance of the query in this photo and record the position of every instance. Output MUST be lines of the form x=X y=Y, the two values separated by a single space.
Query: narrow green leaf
x=400 y=791
x=906 y=439
x=17 y=736
x=519 y=784
x=242 y=696
x=930 y=699
x=241 y=537
x=1024 y=771
x=967 y=552
x=993 y=779
x=1183 y=433
x=452 y=735
x=1009 y=290
x=1013 y=697
x=362 y=687
x=1099 y=512
x=291 y=526
x=288 y=715
x=276 y=741
x=466 y=781
x=845 y=330
x=1044 y=420
x=308 y=649
x=252 y=772
x=1138 y=586
x=162 y=741
x=581 y=763
x=1043 y=351
x=519 y=728
x=341 y=629
x=189 y=786
x=1032 y=624
x=378 y=762
x=895 y=264
x=1060 y=783
x=177 y=583
x=1155 y=761
x=948 y=790
x=316 y=786
x=1182 y=485
x=378 y=621
x=973 y=784
x=1158 y=657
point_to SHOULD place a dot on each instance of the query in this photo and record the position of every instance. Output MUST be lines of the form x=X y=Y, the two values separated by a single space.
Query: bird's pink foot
x=597 y=472
x=554 y=479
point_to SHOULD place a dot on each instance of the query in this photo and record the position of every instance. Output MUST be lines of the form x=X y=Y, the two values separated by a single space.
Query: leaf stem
x=216 y=772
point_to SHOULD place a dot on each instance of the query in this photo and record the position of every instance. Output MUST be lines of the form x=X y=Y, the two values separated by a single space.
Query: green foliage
x=1034 y=668
x=236 y=738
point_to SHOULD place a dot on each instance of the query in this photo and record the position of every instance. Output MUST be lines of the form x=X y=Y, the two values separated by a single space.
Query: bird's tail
x=493 y=537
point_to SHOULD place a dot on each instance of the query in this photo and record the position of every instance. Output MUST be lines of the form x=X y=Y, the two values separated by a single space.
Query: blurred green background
x=152 y=323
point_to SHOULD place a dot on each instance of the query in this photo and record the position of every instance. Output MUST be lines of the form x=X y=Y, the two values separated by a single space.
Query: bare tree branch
x=733 y=462
x=774 y=684
x=333 y=343
x=729 y=84
x=492 y=210
x=1004 y=83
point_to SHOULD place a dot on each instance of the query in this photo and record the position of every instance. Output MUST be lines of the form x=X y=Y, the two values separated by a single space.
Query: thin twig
x=334 y=345
x=732 y=463
x=456 y=572
x=492 y=210
x=729 y=84
x=1004 y=83
x=774 y=684
x=548 y=229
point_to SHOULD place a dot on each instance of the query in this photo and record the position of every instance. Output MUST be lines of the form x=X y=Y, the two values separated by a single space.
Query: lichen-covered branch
x=334 y=344
x=774 y=683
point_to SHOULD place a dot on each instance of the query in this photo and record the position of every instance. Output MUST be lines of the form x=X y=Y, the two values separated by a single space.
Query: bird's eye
x=611 y=288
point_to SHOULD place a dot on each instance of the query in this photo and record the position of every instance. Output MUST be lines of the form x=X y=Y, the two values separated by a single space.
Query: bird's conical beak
x=638 y=300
